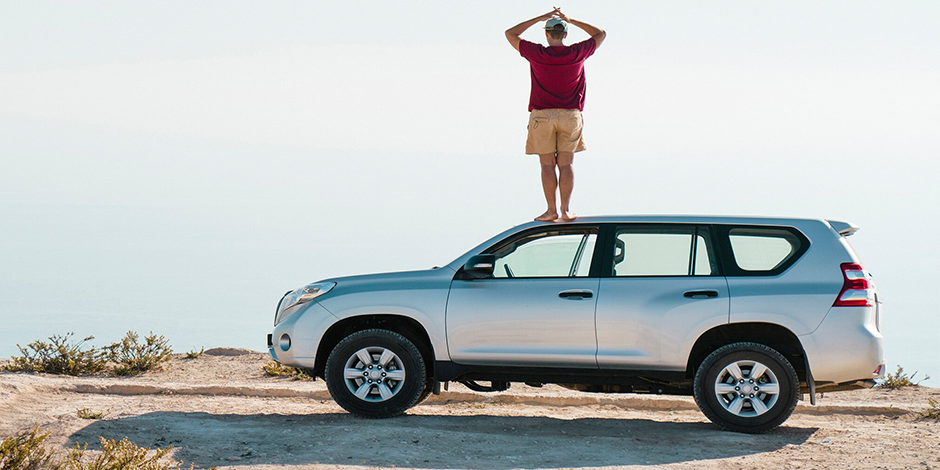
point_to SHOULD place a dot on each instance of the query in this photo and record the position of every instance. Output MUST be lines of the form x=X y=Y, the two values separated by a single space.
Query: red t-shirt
x=557 y=74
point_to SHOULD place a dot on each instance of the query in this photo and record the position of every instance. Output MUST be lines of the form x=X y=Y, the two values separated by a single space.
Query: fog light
x=285 y=342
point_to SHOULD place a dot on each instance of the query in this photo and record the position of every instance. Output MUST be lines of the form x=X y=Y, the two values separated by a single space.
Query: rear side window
x=758 y=250
x=662 y=251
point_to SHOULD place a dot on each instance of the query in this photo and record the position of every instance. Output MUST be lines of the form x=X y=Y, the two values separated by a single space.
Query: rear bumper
x=846 y=347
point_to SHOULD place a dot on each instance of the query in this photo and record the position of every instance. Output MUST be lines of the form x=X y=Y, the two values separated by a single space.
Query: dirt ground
x=223 y=411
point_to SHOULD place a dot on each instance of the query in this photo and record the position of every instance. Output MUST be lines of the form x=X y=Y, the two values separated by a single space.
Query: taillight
x=856 y=290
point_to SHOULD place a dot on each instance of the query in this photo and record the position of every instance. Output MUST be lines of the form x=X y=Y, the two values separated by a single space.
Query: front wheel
x=746 y=387
x=375 y=373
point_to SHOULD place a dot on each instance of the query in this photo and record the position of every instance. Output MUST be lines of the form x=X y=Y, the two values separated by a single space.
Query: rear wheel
x=375 y=373
x=746 y=387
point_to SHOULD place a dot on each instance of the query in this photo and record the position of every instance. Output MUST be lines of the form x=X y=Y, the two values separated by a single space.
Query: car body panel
x=419 y=295
x=647 y=322
x=522 y=322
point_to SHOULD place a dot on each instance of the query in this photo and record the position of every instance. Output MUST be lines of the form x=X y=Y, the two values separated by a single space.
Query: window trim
x=568 y=229
x=609 y=234
x=730 y=264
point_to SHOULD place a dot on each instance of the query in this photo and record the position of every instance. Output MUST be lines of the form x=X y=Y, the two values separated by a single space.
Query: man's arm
x=512 y=34
x=596 y=33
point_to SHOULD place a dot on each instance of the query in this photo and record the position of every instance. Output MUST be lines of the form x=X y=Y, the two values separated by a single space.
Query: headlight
x=300 y=296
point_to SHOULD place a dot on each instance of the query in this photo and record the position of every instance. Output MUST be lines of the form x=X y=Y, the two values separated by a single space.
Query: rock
x=228 y=352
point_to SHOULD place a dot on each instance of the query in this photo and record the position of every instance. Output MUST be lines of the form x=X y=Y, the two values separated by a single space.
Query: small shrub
x=133 y=357
x=85 y=413
x=301 y=375
x=193 y=354
x=933 y=410
x=276 y=369
x=27 y=452
x=900 y=379
x=59 y=356
x=121 y=455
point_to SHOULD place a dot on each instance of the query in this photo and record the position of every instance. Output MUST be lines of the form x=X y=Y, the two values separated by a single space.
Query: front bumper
x=271 y=347
x=294 y=341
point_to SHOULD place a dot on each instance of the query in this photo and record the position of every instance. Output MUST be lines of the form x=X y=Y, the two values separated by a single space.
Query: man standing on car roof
x=555 y=102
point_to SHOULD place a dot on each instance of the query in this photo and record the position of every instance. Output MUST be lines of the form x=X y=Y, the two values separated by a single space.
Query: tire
x=380 y=356
x=748 y=407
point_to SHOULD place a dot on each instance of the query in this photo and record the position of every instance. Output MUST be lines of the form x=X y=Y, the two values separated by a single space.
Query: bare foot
x=548 y=216
x=568 y=216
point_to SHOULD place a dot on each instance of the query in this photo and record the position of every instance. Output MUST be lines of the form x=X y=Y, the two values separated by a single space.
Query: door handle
x=700 y=294
x=576 y=294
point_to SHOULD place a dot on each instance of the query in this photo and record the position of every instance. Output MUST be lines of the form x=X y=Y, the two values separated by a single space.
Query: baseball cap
x=556 y=24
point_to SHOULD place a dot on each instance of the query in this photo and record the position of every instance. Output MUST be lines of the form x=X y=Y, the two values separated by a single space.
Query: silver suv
x=745 y=314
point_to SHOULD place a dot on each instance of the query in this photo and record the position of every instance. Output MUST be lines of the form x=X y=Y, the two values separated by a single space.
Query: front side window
x=546 y=254
x=652 y=251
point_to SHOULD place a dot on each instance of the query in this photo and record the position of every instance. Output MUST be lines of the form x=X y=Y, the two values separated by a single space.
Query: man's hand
x=596 y=33
x=549 y=15
x=512 y=34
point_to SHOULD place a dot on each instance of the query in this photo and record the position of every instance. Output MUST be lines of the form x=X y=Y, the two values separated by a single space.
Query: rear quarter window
x=755 y=251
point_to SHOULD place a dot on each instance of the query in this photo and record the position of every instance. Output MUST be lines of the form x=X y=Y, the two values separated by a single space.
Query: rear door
x=659 y=290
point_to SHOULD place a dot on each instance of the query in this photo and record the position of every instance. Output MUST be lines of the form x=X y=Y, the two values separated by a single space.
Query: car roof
x=685 y=219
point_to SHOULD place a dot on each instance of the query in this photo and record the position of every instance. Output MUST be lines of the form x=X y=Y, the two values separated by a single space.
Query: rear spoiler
x=844 y=228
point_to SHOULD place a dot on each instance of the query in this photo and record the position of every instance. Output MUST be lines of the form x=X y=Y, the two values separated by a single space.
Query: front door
x=537 y=309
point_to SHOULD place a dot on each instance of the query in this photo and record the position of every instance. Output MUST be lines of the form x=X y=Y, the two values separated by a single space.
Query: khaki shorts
x=554 y=130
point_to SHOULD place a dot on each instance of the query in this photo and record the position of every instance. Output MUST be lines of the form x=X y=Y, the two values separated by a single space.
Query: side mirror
x=479 y=266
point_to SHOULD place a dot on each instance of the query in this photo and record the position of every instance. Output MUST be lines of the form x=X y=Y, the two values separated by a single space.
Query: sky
x=176 y=166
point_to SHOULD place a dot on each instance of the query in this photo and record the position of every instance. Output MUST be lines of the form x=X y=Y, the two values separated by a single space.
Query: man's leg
x=565 y=163
x=549 y=183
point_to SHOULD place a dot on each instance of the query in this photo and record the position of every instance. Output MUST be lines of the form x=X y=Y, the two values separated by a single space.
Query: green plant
x=301 y=375
x=933 y=409
x=85 y=413
x=193 y=354
x=900 y=379
x=59 y=356
x=133 y=357
x=121 y=455
x=276 y=369
x=26 y=452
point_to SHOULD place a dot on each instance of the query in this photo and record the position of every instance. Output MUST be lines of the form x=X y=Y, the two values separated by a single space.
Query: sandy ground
x=223 y=411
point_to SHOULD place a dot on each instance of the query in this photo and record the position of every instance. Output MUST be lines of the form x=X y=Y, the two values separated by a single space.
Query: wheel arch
x=405 y=326
x=771 y=335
